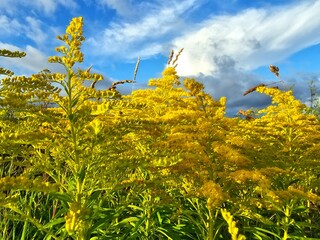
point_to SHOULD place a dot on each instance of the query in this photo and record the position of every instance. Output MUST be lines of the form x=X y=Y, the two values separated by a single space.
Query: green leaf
x=136 y=208
x=65 y=197
x=82 y=173
x=94 y=196
x=159 y=218
x=54 y=222
x=260 y=231
x=129 y=220
x=300 y=208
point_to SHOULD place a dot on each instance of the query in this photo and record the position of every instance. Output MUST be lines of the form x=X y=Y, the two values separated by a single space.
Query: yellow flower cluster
x=231 y=155
x=213 y=193
x=23 y=183
x=242 y=175
x=73 y=38
x=168 y=80
x=293 y=193
x=7 y=72
x=193 y=86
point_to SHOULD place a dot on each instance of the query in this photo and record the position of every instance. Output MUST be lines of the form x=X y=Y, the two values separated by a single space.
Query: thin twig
x=136 y=69
x=93 y=83
x=170 y=57
x=113 y=86
x=177 y=56
x=88 y=69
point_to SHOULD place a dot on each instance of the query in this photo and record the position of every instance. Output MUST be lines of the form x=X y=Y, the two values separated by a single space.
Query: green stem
x=287 y=219
x=210 y=232
x=71 y=110
x=24 y=231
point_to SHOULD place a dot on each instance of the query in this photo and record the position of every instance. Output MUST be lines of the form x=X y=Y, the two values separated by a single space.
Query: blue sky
x=228 y=45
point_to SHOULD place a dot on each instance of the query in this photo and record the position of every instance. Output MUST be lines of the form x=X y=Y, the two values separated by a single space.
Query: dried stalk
x=274 y=70
x=177 y=56
x=113 y=86
x=136 y=69
x=170 y=57
x=253 y=89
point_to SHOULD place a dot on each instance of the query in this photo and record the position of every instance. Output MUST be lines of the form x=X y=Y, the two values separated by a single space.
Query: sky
x=228 y=45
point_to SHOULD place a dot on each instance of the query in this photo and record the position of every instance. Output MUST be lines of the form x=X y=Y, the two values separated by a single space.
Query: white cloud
x=31 y=27
x=123 y=8
x=252 y=38
x=20 y=18
x=9 y=26
x=149 y=32
x=48 y=7
x=34 y=30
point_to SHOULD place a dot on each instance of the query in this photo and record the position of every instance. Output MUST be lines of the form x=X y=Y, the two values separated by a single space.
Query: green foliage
x=161 y=163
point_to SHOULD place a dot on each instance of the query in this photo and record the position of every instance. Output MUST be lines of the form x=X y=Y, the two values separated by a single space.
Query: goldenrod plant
x=79 y=162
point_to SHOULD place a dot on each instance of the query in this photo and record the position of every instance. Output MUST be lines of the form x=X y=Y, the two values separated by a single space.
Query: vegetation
x=161 y=163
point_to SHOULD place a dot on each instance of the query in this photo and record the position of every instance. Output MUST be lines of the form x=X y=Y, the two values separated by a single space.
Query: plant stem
x=211 y=225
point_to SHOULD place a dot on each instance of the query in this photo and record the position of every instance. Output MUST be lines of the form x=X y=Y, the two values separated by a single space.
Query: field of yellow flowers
x=160 y=163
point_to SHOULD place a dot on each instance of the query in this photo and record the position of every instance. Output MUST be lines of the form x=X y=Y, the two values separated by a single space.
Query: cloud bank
x=252 y=38
x=146 y=35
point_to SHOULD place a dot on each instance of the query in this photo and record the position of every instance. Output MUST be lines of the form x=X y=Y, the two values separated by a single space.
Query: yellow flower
x=214 y=194
x=233 y=230
x=74 y=218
